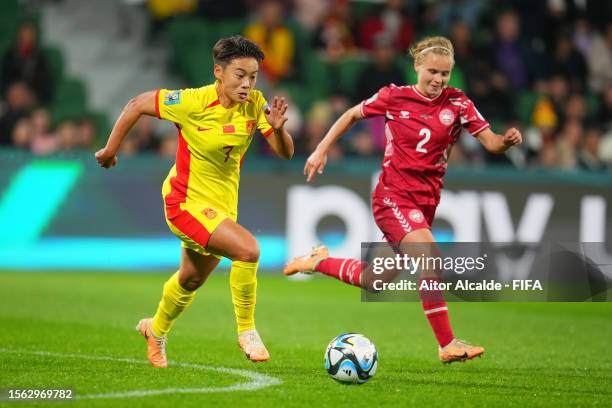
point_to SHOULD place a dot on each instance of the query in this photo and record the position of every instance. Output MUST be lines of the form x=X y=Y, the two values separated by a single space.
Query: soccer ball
x=351 y=358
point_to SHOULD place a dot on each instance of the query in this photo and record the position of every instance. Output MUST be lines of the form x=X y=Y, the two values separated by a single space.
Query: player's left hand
x=512 y=137
x=276 y=114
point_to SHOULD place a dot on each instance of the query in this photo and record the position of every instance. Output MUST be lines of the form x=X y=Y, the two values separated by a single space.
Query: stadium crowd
x=545 y=67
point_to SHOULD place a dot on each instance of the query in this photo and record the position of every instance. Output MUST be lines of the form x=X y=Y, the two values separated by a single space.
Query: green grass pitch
x=76 y=330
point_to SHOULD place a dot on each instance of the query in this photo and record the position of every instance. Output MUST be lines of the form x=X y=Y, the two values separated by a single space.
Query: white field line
x=257 y=381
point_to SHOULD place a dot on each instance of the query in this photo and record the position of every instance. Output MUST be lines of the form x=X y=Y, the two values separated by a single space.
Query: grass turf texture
x=544 y=354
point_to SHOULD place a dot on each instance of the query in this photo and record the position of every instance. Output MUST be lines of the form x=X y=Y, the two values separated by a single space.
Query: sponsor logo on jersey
x=202 y=129
x=229 y=128
x=447 y=117
x=209 y=213
x=172 y=98
x=416 y=215
x=404 y=115
x=424 y=116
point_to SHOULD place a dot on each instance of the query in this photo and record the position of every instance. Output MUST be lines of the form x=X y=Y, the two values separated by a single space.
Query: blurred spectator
x=558 y=90
x=569 y=63
x=605 y=149
x=575 y=108
x=604 y=116
x=226 y=9
x=589 y=154
x=142 y=137
x=549 y=156
x=319 y=119
x=381 y=71
x=68 y=135
x=276 y=40
x=163 y=11
x=22 y=133
x=19 y=101
x=488 y=88
x=599 y=60
x=511 y=55
x=308 y=13
x=334 y=32
x=569 y=140
x=86 y=129
x=168 y=146
x=25 y=62
x=390 y=22
x=468 y=58
x=43 y=141
x=544 y=115
x=466 y=11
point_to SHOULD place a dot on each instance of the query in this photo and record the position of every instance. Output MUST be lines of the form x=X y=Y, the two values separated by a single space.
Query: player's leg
x=236 y=243
x=178 y=293
x=422 y=242
x=354 y=271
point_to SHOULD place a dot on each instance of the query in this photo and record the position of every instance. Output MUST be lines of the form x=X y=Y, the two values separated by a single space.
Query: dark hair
x=236 y=46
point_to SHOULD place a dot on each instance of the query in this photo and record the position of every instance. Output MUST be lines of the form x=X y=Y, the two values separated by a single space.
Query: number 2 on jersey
x=426 y=133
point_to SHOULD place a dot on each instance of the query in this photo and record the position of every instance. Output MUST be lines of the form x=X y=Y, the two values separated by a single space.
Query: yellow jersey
x=212 y=142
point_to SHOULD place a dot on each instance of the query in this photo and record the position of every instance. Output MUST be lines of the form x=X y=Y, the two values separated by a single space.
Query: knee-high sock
x=344 y=269
x=174 y=300
x=243 y=284
x=436 y=311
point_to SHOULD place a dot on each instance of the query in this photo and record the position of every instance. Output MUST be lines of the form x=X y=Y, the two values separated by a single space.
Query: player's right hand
x=106 y=158
x=315 y=165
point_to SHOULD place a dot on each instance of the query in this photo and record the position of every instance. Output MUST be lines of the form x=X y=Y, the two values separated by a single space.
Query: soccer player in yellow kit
x=216 y=123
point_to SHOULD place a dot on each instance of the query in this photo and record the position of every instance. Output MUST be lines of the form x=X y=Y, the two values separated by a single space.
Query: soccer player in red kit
x=422 y=123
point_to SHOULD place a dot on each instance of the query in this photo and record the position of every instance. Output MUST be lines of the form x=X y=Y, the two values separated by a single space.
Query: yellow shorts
x=194 y=223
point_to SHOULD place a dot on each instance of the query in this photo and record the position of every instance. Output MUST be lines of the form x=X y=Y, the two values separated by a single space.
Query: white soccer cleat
x=254 y=349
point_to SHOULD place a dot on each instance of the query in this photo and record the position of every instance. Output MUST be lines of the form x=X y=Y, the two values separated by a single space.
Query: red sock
x=436 y=312
x=344 y=269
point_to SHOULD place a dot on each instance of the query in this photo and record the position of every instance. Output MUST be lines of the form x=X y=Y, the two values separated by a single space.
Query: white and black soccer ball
x=351 y=358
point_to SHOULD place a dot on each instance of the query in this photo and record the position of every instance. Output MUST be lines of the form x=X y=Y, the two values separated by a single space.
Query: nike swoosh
x=201 y=129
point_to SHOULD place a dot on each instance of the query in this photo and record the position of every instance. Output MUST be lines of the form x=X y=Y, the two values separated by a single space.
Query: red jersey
x=420 y=133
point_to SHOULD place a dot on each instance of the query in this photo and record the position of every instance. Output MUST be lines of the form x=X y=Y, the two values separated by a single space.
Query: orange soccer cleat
x=306 y=263
x=459 y=350
x=253 y=347
x=156 y=346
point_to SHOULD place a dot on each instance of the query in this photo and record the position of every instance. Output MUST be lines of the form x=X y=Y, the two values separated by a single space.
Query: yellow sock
x=243 y=284
x=174 y=300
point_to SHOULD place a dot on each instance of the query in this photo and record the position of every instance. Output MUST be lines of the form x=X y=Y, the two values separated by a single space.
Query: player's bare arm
x=498 y=144
x=317 y=160
x=139 y=105
x=280 y=140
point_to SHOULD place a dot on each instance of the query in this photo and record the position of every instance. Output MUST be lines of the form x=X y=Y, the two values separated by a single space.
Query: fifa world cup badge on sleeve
x=172 y=98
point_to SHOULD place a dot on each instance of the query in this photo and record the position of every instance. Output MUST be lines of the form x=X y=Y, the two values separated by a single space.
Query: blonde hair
x=438 y=45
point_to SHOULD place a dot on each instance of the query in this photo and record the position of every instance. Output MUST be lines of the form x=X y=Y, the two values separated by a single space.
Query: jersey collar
x=416 y=91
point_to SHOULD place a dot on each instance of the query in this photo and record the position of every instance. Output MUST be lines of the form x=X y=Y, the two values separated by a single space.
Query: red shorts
x=396 y=218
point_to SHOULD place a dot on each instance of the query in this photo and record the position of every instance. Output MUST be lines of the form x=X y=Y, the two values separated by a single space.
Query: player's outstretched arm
x=280 y=140
x=141 y=104
x=317 y=160
x=498 y=144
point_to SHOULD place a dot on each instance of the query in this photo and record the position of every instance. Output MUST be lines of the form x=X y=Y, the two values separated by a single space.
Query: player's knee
x=191 y=283
x=248 y=252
